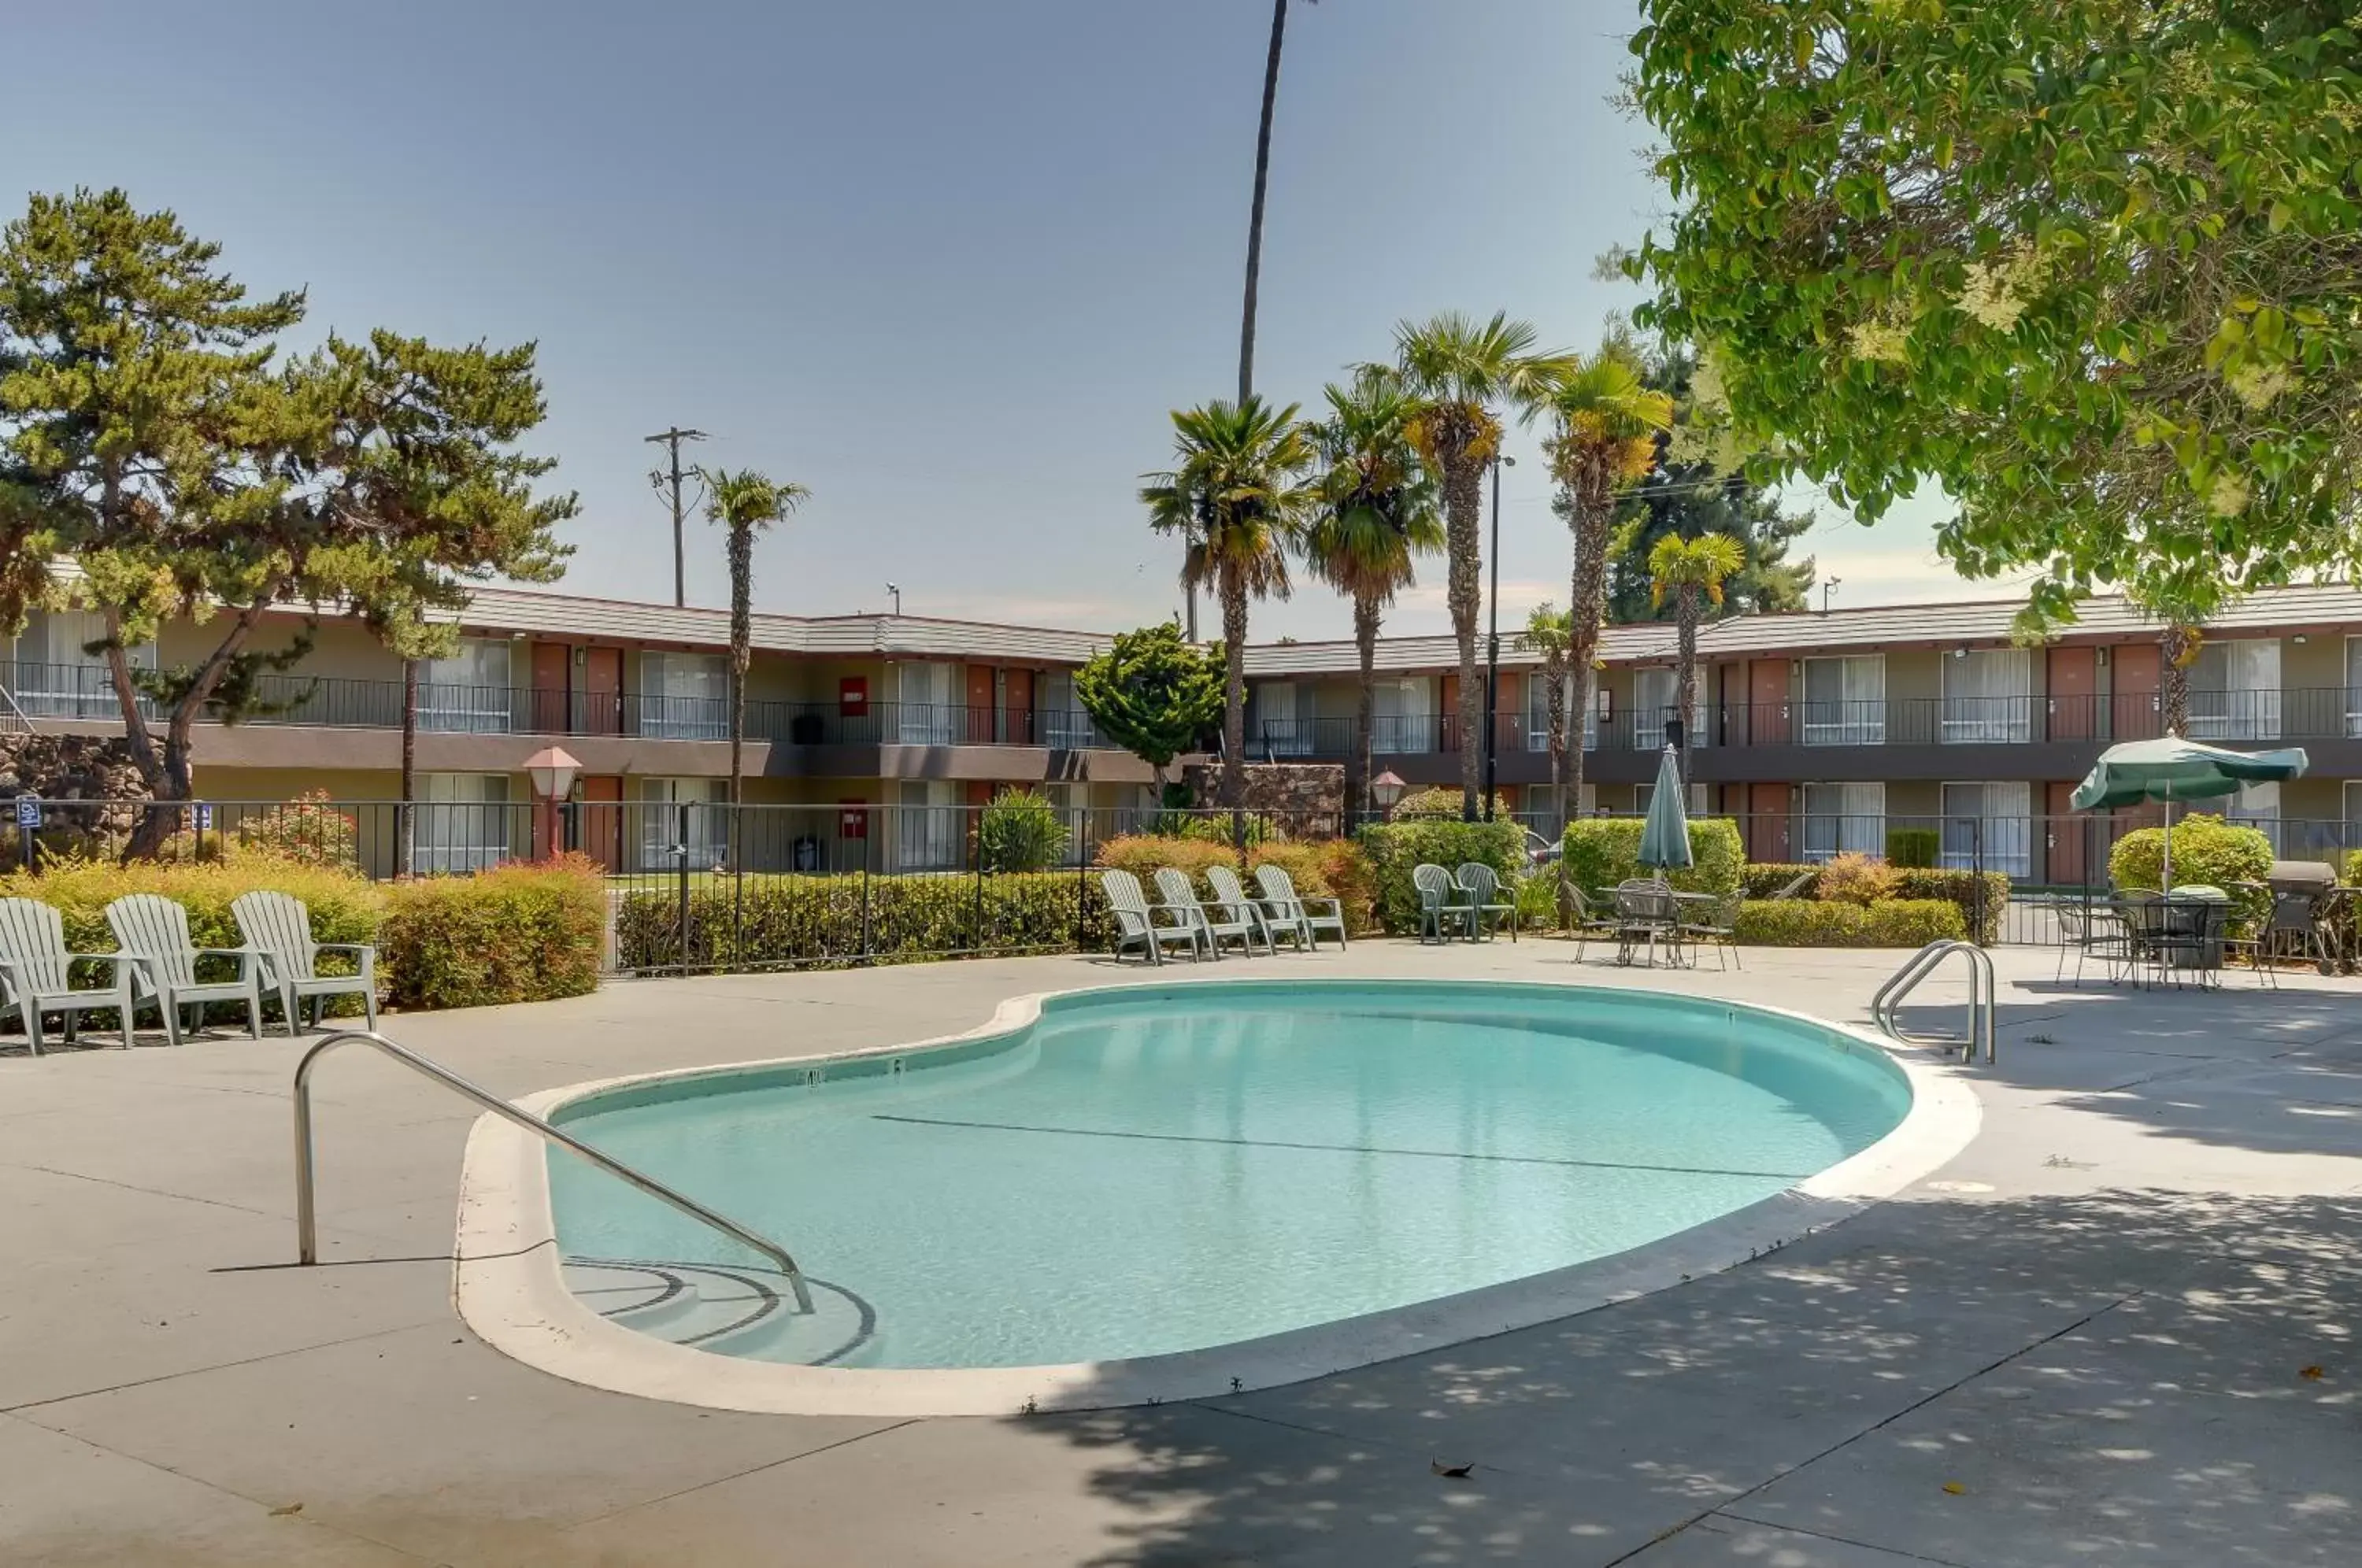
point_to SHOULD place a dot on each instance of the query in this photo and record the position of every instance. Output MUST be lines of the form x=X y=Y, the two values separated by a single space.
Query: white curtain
x=923 y=694
x=2234 y=690
x=1652 y=703
x=685 y=696
x=1844 y=701
x=661 y=823
x=1403 y=713
x=1065 y=726
x=461 y=822
x=1842 y=818
x=468 y=692
x=1988 y=821
x=927 y=828
x=1988 y=697
x=1279 y=729
x=2354 y=687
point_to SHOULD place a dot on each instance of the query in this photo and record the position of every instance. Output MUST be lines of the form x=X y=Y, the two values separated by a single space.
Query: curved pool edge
x=509 y=1288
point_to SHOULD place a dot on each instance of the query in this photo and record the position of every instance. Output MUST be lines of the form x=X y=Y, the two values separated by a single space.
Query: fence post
x=1977 y=874
x=1082 y=881
x=680 y=857
x=868 y=834
x=975 y=838
x=737 y=883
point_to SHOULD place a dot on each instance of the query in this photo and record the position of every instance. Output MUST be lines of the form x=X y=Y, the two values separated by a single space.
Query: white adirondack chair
x=1282 y=902
x=1180 y=893
x=153 y=932
x=33 y=966
x=1135 y=919
x=1231 y=899
x=279 y=928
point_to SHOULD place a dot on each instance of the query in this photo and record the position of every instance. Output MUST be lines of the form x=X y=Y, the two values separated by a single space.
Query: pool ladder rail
x=306 y=1234
x=1982 y=989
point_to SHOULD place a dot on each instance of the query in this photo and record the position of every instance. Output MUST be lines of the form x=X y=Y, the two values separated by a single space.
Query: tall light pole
x=1493 y=644
x=672 y=439
x=1828 y=585
x=896 y=589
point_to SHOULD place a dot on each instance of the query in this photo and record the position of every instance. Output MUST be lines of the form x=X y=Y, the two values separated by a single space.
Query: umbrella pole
x=2167 y=876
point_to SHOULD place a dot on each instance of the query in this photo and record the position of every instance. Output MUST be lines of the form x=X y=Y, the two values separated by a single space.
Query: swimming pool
x=1153 y=1176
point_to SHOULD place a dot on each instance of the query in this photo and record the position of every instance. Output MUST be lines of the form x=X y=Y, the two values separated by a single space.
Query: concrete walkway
x=2119 y=1328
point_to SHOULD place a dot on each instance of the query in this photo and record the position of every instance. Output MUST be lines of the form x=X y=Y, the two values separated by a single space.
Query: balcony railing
x=84 y=692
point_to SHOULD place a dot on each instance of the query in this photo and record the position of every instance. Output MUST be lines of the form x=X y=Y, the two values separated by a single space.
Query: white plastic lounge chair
x=1438 y=903
x=1480 y=885
x=1179 y=893
x=1230 y=898
x=1282 y=905
x=279 y=928
x=153 y=932
x=34 y=968
x=1135 y=919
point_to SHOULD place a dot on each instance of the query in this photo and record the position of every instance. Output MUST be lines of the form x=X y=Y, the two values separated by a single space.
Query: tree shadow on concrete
x=2106 y=1379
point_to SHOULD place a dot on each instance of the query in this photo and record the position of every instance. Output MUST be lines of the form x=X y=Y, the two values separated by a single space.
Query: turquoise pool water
x=1164 y=1169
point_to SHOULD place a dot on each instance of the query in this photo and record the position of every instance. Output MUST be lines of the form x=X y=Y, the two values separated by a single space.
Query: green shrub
x=1603 y=851
x=836 y=921
x=1396 y=847
x=2206 y=849
x=1913 y=847
x=1439 y=804
x=1761 y=879
x=1803 y=922
x=343 y=906
x=1210 y=827
x=1020 y=830
x=307 y=829
x=515 y=934
x=1962 y=889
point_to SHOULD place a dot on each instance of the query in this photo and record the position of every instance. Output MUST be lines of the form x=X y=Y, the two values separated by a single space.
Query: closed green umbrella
x=2171 y=769
x=1665 y=837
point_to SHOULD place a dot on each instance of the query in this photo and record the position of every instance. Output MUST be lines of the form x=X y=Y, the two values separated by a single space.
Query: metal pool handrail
x=306 y=1238
x=1982 y=989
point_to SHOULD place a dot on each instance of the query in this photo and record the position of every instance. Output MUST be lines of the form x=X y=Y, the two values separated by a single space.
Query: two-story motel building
x=1816 y=729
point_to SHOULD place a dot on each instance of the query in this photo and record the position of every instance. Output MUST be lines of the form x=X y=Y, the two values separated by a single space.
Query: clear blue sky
x=948 y=262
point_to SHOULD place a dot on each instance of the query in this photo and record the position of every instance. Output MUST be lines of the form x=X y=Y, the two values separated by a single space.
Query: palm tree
x=1377 y=511
x=1548 y=630
x=1237 y=494
x=1604 y=440
x=2179 y=641
x=1460 y=369
x=744 y=503
x=1691 y=569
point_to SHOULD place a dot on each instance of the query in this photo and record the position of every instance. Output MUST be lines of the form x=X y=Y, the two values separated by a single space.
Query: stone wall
x=1302 y=798
x=62 y=769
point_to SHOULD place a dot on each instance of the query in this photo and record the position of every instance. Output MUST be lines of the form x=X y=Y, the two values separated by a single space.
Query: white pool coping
x=509 y=1288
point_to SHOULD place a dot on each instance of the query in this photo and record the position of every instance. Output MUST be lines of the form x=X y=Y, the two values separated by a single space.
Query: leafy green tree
x=1690 y=495
x=1152 y=693
x=1238 y=493
x=1377 y=513
x=1692 y=573
x=745 y=503
x=147 y=439
x=1607 y=422
x=1462 y=370
x=2091 y=266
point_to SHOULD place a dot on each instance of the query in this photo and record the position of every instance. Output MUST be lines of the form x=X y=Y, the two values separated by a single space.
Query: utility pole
x=672 y=439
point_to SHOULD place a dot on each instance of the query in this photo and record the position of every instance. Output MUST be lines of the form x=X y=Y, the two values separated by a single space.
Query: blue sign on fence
x=29 y=811
x=204 y=816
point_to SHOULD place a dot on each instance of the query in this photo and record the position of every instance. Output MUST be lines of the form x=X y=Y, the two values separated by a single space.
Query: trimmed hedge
x=1394 y=848
x=1896 y=923
x=1600 y=852
x=1914 y=848
x=1329 y=869
x=2206 y=849
x=1764 y=878
x=514 y=934
x=824 y=921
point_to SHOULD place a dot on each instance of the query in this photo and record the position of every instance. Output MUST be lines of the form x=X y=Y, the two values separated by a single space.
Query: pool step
x=731 y=1312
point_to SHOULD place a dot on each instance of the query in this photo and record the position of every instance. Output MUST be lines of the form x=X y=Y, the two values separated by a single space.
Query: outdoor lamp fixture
x=1493 y=644
x=1386 y=789
x=552 y=771
x=896 y=589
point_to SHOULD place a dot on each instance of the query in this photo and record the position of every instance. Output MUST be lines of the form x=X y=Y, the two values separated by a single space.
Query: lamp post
x=1386 y=789
x=896 y=589
x=552 y=771
x=1493 y=644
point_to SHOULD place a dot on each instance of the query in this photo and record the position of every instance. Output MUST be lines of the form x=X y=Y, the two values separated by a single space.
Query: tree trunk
x=1462 y=503
x=1685 y=680
x=2180 y=643
x=1556 y=675
x=742 y=641
x=1365 y=639
x=406 y=828
x=168 y=773
x=1254 y=217
x=1234 y=689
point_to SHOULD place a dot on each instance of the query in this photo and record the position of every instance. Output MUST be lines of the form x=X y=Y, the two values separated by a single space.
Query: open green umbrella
x=1665 y=837
x=2169 y=769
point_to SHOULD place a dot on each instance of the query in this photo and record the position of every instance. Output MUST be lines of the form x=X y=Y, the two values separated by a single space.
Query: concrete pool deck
x=2118 y=1328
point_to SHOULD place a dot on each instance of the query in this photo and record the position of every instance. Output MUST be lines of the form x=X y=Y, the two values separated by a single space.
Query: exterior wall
x=2314 y=665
